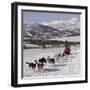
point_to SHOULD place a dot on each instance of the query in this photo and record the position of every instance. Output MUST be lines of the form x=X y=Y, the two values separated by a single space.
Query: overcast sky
x=38 y=17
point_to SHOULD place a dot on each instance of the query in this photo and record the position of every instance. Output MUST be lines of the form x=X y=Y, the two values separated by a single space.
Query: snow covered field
x=65 y=66
x=72 y=38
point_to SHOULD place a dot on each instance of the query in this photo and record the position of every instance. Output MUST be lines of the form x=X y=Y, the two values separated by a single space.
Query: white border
x=82 y=29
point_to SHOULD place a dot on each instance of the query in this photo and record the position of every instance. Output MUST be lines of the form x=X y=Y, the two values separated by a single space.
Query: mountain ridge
x=42 y=31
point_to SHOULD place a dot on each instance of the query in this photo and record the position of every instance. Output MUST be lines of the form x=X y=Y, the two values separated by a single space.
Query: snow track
x=64 y=66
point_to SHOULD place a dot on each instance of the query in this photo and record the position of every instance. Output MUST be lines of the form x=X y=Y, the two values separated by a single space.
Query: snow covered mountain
x=72 y=24
x=39 y=31
x=52 y=29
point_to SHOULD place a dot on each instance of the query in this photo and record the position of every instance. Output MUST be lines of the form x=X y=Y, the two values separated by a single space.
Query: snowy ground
x=72 y=38
x=66 y=66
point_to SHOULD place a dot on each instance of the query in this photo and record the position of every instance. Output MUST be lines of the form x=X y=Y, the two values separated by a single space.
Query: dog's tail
x=27 y=62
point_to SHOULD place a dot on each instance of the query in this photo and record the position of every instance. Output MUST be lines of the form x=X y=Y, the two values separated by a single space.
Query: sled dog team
x=41 y=62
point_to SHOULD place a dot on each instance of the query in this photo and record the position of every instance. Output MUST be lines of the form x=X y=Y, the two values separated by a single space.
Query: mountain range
x=50 y=30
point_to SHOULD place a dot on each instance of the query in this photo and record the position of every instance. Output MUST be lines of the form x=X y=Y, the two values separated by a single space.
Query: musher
x=67 y=49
